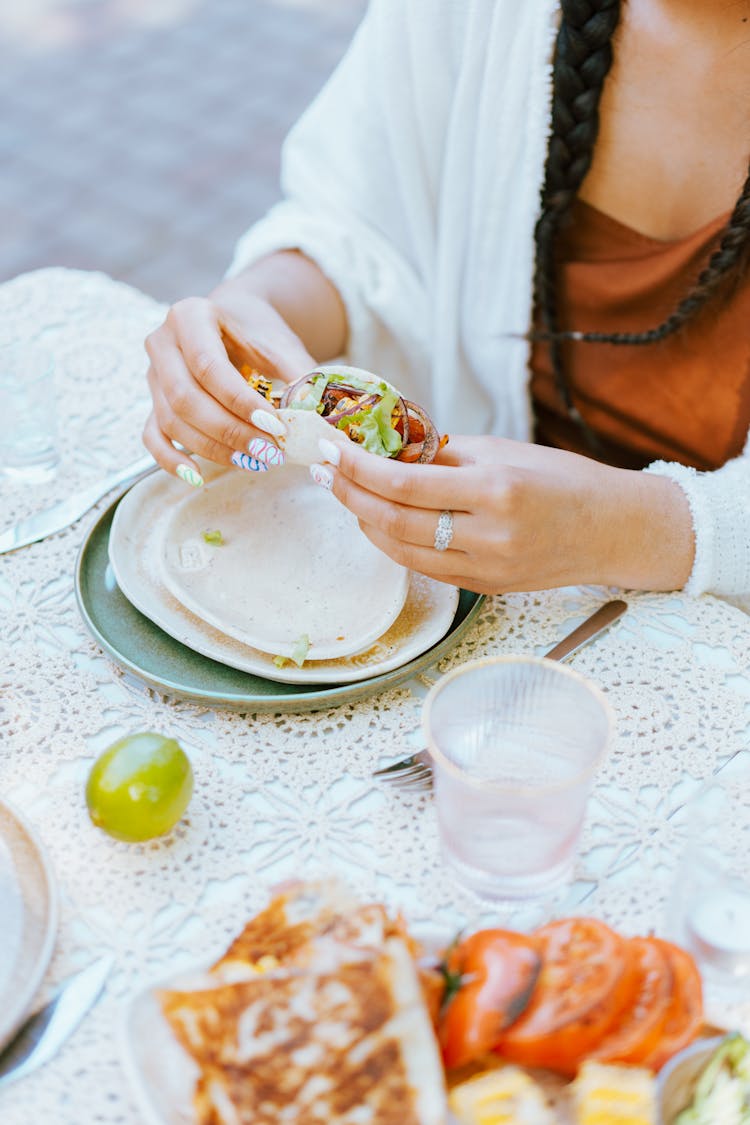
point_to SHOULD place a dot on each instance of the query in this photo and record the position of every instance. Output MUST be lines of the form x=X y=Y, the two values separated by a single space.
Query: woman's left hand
x=525 y=517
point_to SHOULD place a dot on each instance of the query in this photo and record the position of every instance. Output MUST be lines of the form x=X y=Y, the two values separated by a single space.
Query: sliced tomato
x=684 y=1016
x=491 y=977
x=638 y=1028
x=588 y=978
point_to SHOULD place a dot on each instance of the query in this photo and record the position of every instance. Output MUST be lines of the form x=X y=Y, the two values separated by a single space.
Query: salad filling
x=369 y=411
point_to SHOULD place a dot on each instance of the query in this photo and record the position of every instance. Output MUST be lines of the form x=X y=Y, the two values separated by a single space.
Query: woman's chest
x=674 y=134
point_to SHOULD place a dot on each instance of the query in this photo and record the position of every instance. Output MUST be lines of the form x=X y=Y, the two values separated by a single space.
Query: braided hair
x=583 y=57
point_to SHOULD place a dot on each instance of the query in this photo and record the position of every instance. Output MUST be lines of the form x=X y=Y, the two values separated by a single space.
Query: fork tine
x=421 y=758
x=422 y=785
x=397 y=767
x=411 y=773
x=410 y=779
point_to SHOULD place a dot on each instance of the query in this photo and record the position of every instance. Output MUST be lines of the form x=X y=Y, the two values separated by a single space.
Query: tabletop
x=293 y=794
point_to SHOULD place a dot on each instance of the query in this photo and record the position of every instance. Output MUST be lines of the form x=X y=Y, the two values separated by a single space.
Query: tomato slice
x=638 y=1028
x=588 y=978
x=491 y=975
x=684 y=1016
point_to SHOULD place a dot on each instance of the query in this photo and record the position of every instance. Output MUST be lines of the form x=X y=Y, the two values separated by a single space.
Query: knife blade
x=61 y=515
x=43 y=1033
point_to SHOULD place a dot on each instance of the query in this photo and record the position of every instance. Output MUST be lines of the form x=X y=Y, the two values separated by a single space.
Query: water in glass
x=516 y=742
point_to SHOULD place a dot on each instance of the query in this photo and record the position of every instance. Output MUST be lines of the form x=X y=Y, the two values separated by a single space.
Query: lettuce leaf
x=319 y=382
x=300 y=650
x=372 y=428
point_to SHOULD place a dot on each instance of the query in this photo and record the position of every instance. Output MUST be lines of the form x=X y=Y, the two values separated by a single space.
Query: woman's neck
x=674 y=133
x=714 y=18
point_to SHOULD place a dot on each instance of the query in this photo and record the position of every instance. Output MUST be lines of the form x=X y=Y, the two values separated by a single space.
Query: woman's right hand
x=200 y=399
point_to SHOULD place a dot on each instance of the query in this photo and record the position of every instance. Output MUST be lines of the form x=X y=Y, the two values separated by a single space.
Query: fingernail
x=268 y=423
x=330 y=452
x=322 y=476
x=266 y=451
x=189 y=475
x=252 y=464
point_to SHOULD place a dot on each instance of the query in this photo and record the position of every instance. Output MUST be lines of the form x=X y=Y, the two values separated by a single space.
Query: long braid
x=729 y=255
x=583 y=58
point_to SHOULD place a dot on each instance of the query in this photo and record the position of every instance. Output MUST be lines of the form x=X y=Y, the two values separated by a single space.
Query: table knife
x=42 y=1035
x=605 y=616
x=68 y=511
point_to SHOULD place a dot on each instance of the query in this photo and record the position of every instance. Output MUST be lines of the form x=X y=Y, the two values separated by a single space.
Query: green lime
x=139 y=787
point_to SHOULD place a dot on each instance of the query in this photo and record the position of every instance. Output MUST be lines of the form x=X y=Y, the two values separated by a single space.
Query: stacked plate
x=254 y=570
x=28 y=918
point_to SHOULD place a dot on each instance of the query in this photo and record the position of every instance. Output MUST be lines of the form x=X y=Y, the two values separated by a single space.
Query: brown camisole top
x=685 y=398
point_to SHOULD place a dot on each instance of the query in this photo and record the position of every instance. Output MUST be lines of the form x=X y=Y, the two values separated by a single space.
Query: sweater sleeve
x=355 y=179
x=720 y=508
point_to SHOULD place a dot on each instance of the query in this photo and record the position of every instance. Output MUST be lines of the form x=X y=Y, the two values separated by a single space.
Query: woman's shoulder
x=435 y=29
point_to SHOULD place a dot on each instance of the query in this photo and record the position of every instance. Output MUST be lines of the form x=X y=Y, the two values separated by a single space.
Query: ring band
x=444 y=531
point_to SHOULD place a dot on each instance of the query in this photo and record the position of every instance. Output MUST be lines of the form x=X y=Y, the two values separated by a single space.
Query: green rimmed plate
x=140 y=647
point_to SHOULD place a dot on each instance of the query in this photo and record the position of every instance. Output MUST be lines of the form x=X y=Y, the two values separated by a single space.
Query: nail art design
x=266 y=451
x=268 y=423
x=331 y=452
x=189 y=475
x=252 y=464
x=322 y=476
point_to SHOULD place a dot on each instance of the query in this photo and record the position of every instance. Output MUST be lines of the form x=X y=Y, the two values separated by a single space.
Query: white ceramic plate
x=28 y=918
x=133 y=551
x=162 y=1075
x=292 y=562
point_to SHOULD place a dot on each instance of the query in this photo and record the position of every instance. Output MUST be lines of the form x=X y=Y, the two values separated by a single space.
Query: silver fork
x=415 y=772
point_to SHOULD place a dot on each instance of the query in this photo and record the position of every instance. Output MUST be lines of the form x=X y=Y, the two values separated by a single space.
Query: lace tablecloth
x=291 y=794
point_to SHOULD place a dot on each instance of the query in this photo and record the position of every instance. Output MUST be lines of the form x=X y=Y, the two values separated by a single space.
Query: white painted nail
x=322 y=476
x=190 y=475
x=268 y=423
x=331 y=452
x=266 y=451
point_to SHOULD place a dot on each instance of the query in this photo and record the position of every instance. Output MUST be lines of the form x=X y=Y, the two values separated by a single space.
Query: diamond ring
x=444 y=531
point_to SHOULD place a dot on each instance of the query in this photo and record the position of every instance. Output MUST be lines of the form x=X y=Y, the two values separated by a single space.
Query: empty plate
x=271 y=559
x=426 y=617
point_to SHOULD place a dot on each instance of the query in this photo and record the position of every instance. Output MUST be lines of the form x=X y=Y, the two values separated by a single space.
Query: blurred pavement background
x=141 y=137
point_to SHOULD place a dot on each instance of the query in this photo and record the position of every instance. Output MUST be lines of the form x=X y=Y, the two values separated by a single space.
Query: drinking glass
x=28 y=424
x=709 y=910
x=516 y=742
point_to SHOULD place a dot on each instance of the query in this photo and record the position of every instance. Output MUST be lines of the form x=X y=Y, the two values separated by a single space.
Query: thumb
x=291 y=360
x=277 y=351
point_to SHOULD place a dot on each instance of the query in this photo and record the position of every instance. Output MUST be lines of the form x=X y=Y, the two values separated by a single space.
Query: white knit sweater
x=413 y=181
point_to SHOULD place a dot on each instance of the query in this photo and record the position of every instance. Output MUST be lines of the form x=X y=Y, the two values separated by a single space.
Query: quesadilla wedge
x=314 y=1016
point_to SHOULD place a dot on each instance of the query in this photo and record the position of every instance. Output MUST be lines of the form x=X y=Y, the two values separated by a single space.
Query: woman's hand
x=525 y=517
x=201 y=400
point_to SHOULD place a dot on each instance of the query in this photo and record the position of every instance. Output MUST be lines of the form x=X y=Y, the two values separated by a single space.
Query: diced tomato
x=638 y=1028
x=588 y=979
x=491 y=977
x=684 y=1016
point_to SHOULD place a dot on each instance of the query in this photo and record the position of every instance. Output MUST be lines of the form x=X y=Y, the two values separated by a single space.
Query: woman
x=443 y=228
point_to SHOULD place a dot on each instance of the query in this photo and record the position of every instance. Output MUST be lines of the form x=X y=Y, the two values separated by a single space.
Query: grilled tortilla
x=363 y=408
x=315 y=1016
